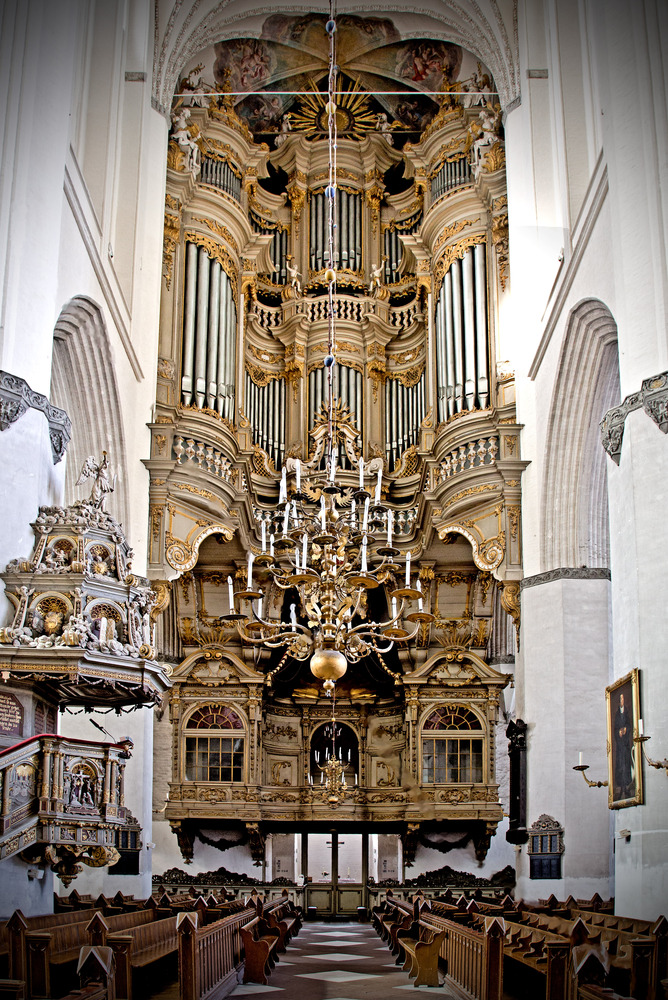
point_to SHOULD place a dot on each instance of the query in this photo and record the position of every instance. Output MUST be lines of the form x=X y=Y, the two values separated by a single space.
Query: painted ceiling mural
x=291 y=55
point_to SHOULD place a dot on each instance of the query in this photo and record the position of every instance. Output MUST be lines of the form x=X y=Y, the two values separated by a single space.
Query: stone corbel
x=652 y=398
x=16 y=398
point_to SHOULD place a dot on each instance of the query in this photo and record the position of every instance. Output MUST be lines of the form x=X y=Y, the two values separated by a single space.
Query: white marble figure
x=183 y=138
x=376 y=274
x=294 y=277
x=286 y=127
x=384 y=127
x=477 y=90
x=490 y=123
x=102 y=484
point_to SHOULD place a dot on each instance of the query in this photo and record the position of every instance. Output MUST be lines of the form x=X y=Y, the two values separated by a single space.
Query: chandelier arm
x=397 y=677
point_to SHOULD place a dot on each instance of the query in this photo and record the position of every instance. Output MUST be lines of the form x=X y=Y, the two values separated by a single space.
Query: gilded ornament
x=452 y=230
x=172 y=231
x=262 y=355
x=220 y=229
x=165 y=370
x=510 y=601
x=514 y=519
x=410 y=377
x=456 y=251
x=197 y=490
x=405 y=357
x=260 y=376
x=217 y=252
x=495 y=158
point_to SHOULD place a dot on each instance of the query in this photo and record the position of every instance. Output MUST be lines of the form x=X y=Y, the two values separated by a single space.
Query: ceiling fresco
x=292 y=54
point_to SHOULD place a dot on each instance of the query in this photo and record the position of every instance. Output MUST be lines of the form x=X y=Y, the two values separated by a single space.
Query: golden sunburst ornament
x=353 y=115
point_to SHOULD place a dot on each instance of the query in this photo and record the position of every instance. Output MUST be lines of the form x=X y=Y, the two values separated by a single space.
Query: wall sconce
x=642 y=739
x=585 y=767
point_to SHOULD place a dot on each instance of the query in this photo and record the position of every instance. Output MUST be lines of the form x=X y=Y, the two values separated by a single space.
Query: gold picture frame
x=625 y=785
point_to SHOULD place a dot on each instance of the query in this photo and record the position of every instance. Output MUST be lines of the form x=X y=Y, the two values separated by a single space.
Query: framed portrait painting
x=624 y=755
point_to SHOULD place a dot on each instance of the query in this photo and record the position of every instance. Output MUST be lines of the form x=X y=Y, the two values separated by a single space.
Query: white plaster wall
x=567 y=666
x=31 y=896
x=205 y=859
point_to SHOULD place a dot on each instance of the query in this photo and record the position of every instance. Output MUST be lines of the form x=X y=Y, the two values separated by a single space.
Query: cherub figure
x=294 y=275
x=376 y=275
x=100 y=474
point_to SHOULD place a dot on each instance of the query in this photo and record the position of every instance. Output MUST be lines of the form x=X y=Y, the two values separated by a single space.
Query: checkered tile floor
x=344 y=962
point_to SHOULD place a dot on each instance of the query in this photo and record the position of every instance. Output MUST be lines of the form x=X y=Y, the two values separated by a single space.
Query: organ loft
x=274 y=383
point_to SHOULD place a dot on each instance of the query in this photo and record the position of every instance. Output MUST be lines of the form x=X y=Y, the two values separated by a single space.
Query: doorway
x=336 y=866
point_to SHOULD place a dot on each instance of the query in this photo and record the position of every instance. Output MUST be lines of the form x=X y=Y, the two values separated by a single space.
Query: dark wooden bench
x=285 y=918
x=138 y=947
x=260 y=950
x=57 y=946
x=419 y=945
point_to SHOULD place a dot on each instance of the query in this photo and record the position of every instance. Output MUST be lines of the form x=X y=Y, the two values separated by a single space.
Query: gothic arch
x=83 y=382
x=575 y=489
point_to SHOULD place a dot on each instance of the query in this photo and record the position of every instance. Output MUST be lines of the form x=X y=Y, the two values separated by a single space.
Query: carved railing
x=348 y=307
x=67 y=787
x=210 y=955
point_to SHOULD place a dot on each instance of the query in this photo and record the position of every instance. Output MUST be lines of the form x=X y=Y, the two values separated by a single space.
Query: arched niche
x=345 y=745
x=83 y=382
x=575 y=488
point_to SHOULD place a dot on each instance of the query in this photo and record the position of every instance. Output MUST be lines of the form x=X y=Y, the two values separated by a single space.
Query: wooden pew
x=421 y=945
x=285 y=919
x=139 y=946
x=260 y=945
x=54 y=947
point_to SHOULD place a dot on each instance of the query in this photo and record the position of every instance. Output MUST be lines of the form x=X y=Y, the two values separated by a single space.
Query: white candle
x=304 y=546
x=332 y=468
x=355 y=777
x=271 y=544
x=580 y=758
x=365 y=519
x=419 y=587
x=390 y=522
x=230 y=594
x=322 y=777
x=259 y=608
x=298 y=470
x=286 y=518
x=378 y=486
x=353 y=515
x=364 y=554
x=394 y=607
x=349 y=756
x=641 y=727
x=293 y=617
x=251 y=557
x=361 y=473
x=317 y=756
x=408 y=569
x=264 y=536
x=322 y=511
x=283 y=491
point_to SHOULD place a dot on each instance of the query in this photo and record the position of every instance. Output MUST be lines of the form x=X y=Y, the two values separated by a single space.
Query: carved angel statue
x=194 y=92
x=286 y=127
x=183 y=137
x=294 y=276
x=376 y=275
x=490 y=126
x=102 y=483
x=383 y=126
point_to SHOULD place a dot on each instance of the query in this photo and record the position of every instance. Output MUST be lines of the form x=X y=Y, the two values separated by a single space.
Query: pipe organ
x=462 y=347
x=265 y=408
x=278 y=248
x=393 y=248
x=209 y=334
x=405 y=409
x=349 y=230
x=454 y=172
x=222 y=175
x=420 y=393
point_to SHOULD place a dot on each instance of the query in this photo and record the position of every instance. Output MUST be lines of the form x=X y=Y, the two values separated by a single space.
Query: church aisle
x=338 y=962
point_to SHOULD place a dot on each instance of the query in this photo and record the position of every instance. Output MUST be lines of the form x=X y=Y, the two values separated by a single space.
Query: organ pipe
x=462 y=336
x=209 y=334
x=349 y=237
x=404 y=412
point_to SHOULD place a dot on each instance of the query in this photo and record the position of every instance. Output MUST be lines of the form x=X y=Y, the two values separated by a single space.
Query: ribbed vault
x=83 y=383
x=183 y=28
x=575 y=497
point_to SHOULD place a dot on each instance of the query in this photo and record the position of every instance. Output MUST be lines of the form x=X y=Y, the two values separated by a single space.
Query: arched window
x=216 y=753
x=450 y=753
